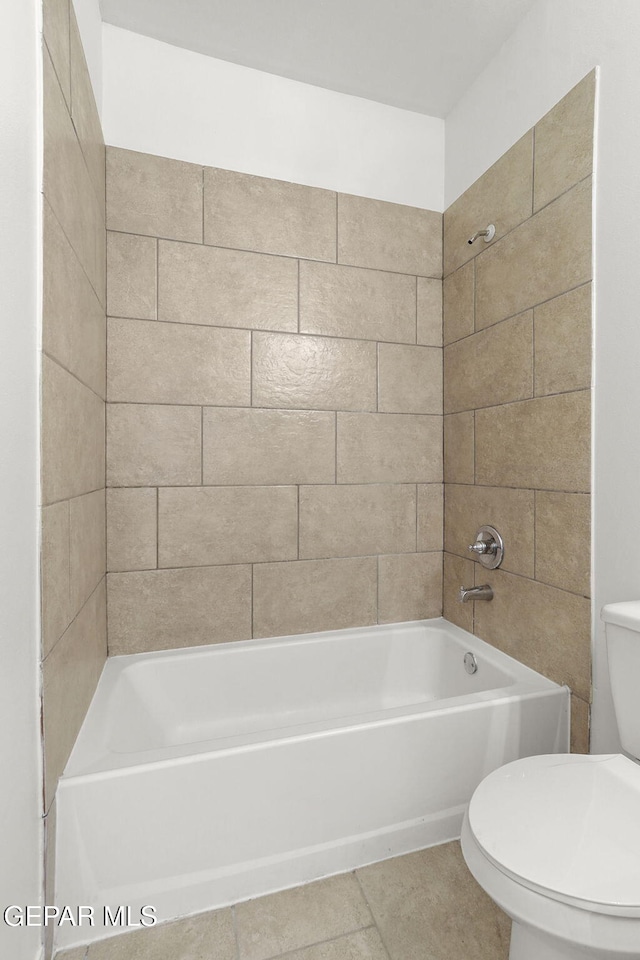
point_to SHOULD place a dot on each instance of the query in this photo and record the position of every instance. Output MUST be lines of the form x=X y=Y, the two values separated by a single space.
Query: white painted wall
x=20 y=246
x=554 y=46
x=90 y=27
x=162 y=99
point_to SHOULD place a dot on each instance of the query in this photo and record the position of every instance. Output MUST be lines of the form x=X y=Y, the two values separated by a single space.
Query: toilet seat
x=566 y=826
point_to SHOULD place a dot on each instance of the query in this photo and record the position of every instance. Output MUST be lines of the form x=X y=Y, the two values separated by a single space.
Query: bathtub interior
x=174 y=703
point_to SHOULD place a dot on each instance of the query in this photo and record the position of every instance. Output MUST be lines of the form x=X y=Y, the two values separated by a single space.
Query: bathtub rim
x=525 y=683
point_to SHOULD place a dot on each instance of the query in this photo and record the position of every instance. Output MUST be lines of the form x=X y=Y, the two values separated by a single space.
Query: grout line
x=507 y=403
x=74 y=375
x=261 y=563
x=202 y=446
x=497 y=240
x=335 y=452
x=416 y=310
x=519 y=313
x=373 y=917
x=280 y=256
x=377 y=377
x=72 y=621
x=284 y=333
x=361 y=411
x=317 y=943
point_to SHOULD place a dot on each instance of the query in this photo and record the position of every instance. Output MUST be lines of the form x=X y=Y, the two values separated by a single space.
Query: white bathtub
x=216 y=774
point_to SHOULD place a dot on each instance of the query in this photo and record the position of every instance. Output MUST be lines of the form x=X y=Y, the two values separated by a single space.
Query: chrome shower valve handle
x=488 y=547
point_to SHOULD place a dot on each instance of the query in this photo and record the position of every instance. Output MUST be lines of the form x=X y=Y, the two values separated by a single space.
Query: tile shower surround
x=73 y=561
x=274 y=421
x=517 y=373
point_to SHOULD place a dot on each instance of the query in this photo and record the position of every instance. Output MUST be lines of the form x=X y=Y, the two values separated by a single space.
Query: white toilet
x=555 y=840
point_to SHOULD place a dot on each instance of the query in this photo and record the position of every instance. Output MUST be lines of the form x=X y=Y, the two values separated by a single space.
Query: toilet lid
x=567 y=825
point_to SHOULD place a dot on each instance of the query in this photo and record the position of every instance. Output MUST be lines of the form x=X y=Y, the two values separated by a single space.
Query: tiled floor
x=423 y=906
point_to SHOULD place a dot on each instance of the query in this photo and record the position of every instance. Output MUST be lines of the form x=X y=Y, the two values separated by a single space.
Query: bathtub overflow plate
x=470 y=662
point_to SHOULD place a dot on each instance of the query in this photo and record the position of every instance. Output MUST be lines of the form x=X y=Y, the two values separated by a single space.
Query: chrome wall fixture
x=488 y=233
x=488 y=547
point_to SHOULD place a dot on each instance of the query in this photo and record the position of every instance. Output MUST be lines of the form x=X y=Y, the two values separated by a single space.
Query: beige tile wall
x=517 y=375
x=73 y=392
x=274 y=417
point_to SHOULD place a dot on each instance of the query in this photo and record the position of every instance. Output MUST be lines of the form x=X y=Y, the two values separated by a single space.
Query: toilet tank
x=622 y=626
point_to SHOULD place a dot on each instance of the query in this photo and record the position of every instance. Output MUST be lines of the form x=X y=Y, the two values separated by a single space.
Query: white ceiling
x=417 y=54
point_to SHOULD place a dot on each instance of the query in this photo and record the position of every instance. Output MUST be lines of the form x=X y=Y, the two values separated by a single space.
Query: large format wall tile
x=218 y=525
x=162 y=609
x=544 y=257
x=153 y=362
x=84 y=114
x=132 y=528
x=409 y=587
x=70 y=674
x=153 y=195
x=313 y=372
x=501 y=196
x=309 y=595
x=517 y=365
x=72 y=435
x=511 y=512
x=458 y=572
x=228 y=288
x=87 y=539
x=342 y=301
x=459 y=303
x=73 y=321
x=563 y=540
x=389 y=448
x=556 y=644
x=429 y=319
x=268 y=446
x=54 y=566
x=269 y=216
x=350 y=521
x=247 y=368
x=491 y=367
x=563 y=342
x=389 y=236
x=131 y=276
x=56 y=34
x=542 y=443
x=564 y=143
x=459 y=447
x=67 y=184
x=409 y=379
x=430 y=516
x=153 y=445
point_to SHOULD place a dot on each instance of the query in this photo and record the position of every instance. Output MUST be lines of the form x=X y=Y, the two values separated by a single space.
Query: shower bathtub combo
x=207 y=776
